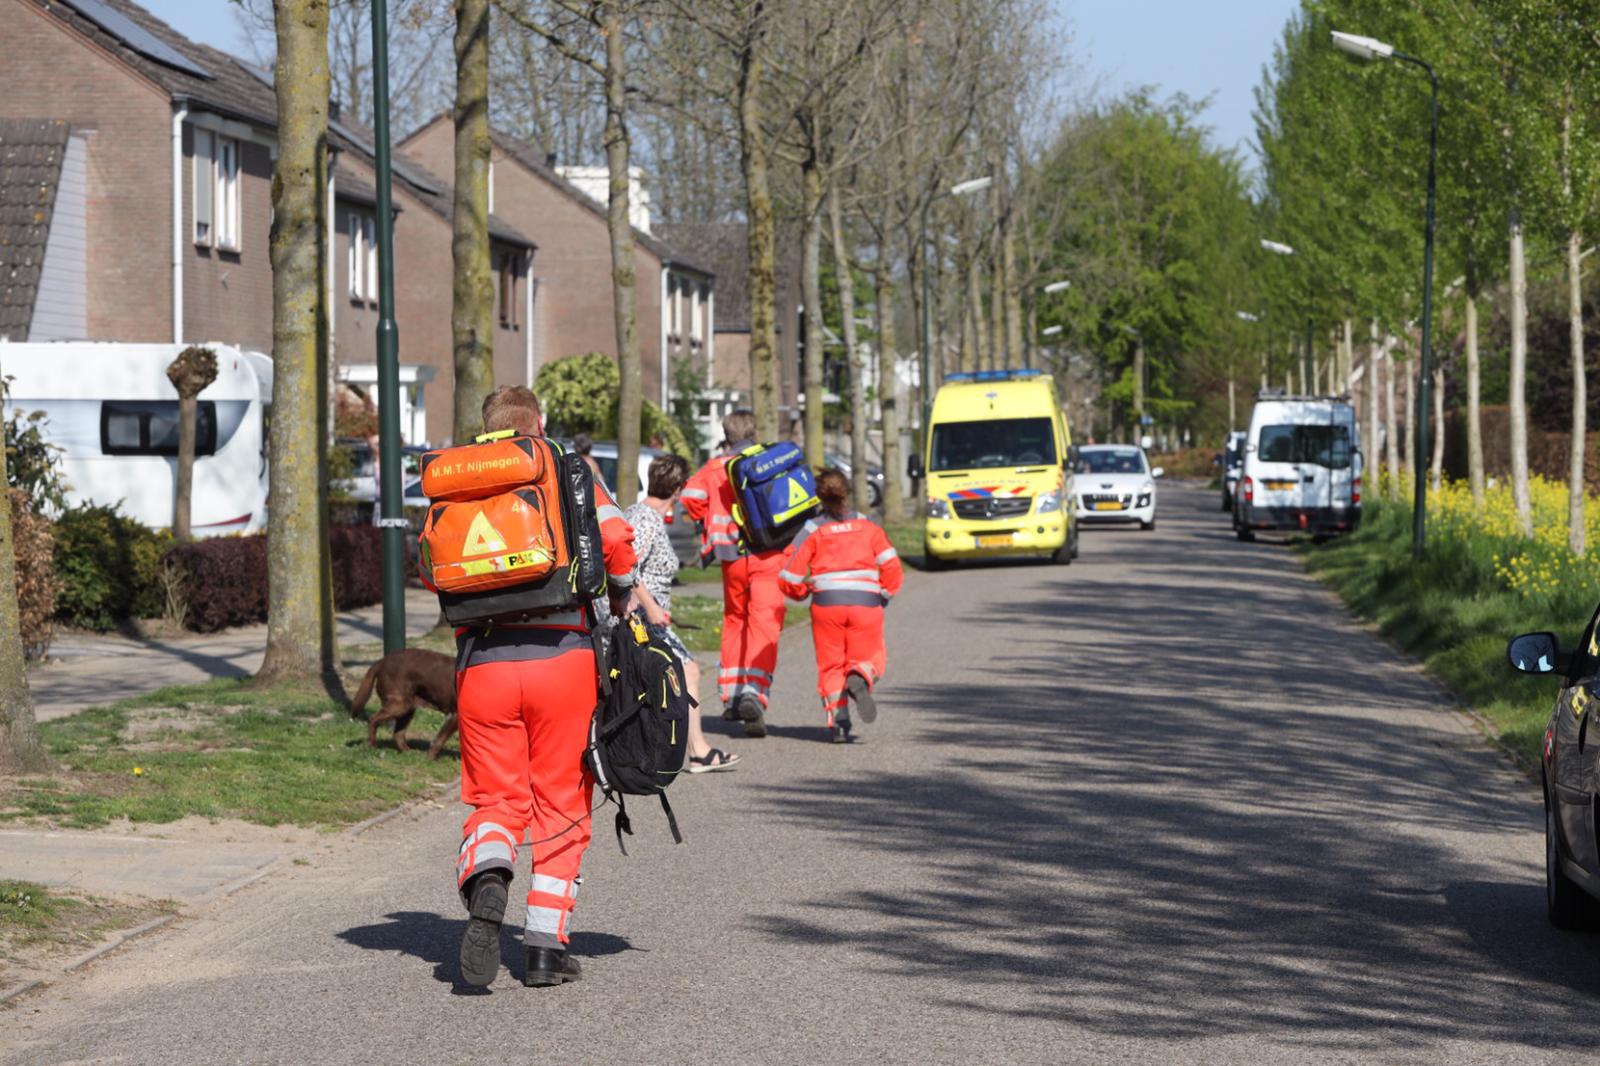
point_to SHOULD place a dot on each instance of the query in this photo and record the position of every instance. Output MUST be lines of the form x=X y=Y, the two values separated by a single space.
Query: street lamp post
x=1367 y=48
x=391 y=513
x=1279 y=248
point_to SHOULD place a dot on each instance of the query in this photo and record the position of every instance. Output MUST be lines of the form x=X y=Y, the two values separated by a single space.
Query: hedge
x=223 y=581
x=109 y=566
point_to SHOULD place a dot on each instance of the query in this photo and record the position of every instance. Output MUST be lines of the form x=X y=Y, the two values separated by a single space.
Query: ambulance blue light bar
x=992 y=375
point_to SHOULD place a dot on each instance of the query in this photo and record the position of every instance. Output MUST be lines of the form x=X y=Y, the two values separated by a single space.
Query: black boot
x=480 y=944
x=841 y=728
x=755 y=722
x=550 y=966
x=861 y=693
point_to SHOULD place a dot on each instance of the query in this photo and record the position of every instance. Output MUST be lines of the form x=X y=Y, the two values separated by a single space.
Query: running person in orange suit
x=844 y=562
x=524 y=695
x=752 y=603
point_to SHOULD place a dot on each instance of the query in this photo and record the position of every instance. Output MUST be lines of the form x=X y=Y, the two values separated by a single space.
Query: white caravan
x=1302 y=467
x=114 y=415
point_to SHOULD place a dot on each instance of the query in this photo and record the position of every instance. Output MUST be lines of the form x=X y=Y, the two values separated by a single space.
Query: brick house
x=135 y=205
x=571 y=300
x=724 y=247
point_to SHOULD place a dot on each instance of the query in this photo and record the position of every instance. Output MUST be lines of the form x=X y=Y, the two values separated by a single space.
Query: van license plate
x=1280 y=486
x=996 y=540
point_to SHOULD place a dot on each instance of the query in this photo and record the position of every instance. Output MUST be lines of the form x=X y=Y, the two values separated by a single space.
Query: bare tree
x=190 y=373
x=300 y=635
x=472 y=292
x=608 y=20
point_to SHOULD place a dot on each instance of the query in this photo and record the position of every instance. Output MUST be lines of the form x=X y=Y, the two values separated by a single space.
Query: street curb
x=394 y=812
x=19 y=991
x=121 y=939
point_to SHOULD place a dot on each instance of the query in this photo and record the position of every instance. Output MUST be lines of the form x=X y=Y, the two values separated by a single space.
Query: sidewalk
x=87 y=670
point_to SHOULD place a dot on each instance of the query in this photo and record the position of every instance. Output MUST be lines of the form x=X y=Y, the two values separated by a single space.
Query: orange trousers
x=524 y=726
x=849 y=640
x=752 y=619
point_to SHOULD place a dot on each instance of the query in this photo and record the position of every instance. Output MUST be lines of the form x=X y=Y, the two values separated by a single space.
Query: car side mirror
x=1535 y=653
x=1157 y=471
x=1071 y=461
x=914 y=467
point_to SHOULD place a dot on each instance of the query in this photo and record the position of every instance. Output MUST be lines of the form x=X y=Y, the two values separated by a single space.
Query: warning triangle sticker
x=798 y=494
x=482 y=538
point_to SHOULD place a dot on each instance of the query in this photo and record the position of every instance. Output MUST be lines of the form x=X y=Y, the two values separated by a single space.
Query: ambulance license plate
x=1108 y=505
x=995 y=540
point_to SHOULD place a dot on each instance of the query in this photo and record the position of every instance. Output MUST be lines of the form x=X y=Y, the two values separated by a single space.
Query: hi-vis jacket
x=841 y=563
x=708 y=499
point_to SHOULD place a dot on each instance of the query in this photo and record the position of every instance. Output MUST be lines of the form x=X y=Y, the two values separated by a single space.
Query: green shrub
x=109 y=566
x=580 y=395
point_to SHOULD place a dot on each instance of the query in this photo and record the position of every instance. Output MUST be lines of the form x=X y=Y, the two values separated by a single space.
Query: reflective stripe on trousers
x=550 y=903
x=490 y=846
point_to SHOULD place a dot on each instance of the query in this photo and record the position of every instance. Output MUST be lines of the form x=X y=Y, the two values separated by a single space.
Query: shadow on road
x=1200 y=804
x=437 y=940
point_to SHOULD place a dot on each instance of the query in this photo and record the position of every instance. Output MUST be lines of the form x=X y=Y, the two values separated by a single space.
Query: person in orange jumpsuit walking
x=752 y=602
x=845 y=563
x=524 y=696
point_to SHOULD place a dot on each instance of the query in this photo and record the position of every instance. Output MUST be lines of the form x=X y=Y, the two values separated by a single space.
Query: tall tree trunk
x=1138 y=390
x=811 y=293
x=999 y=359
x=980 y=328
x=472 y=290
x=888 y=379
x=1391 y=448
x=1576 y=493
x=853 y=359
x=1474 y=403
x=969 y=328
x=759 y=226
x=1011 y=291
x=1411 y=460
x=1373 y=451
x=1347 y=365
x=1517 y=392
x=20 y=747
x=630 y=397
x=1437 y=470
x=300 y=635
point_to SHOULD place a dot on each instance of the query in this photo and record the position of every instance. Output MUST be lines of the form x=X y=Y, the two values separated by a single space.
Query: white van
x=114 y=415
x=1302 y=467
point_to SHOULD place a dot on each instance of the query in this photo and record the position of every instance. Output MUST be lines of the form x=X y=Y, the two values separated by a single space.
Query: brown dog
x=405 y=679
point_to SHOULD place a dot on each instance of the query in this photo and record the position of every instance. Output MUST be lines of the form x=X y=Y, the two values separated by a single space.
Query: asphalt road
x=1167 y=804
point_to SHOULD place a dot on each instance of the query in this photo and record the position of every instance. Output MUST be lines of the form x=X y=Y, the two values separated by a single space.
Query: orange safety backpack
x=511 y=532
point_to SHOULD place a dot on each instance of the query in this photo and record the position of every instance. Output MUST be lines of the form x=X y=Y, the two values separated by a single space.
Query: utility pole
x=392 y=518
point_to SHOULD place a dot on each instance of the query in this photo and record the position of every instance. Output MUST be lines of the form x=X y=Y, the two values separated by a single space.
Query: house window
x=216 y=191
x=361 y=262
x=507 y=267
x=697 y=308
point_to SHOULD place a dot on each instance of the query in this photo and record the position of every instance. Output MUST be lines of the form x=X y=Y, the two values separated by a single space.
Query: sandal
x=714 y=761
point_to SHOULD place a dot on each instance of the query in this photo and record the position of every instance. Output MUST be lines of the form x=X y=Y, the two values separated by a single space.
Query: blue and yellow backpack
x=774 y=494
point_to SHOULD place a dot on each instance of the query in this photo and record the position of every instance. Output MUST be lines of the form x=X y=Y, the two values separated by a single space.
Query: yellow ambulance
x=999 y=470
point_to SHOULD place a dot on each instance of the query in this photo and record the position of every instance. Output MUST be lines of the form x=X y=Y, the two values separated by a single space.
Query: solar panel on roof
x=136 y=36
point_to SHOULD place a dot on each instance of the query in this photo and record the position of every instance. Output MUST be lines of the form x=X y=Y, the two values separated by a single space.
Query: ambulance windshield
x=993 y=442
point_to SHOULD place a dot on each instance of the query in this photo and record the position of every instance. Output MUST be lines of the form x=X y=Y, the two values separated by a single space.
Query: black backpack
x=639 y=734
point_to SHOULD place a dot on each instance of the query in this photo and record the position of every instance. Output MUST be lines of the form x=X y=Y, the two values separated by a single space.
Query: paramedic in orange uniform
x=844 y=562
x=524 y=696
x=752 y=603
